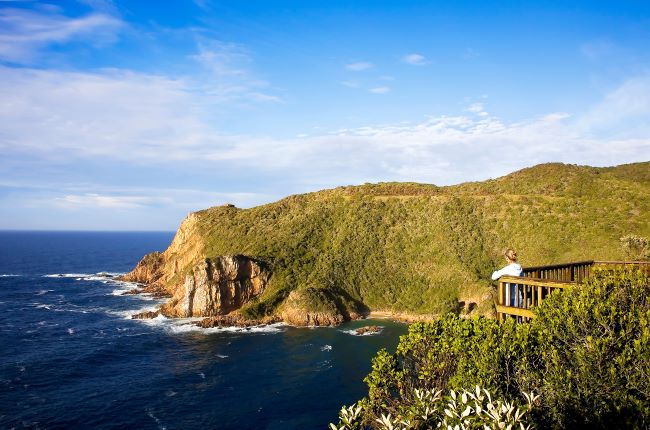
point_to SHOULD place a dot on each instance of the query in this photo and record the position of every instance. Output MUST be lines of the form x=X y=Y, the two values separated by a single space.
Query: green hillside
x=422 y=248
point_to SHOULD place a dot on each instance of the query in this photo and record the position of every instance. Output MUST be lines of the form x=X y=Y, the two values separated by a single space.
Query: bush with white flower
x=459 y=410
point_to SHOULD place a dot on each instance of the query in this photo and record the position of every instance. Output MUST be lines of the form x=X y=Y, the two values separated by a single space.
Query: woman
x=512 y=269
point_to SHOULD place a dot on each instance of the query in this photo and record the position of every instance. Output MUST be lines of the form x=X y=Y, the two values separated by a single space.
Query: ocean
x=71 y=357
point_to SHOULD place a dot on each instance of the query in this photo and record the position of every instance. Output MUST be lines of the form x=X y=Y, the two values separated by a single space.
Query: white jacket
x=512 y=269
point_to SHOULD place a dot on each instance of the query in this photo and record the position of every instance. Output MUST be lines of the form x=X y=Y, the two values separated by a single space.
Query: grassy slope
x=421 y=248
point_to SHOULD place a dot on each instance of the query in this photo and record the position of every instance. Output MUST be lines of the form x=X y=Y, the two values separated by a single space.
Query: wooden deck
x=517 y=296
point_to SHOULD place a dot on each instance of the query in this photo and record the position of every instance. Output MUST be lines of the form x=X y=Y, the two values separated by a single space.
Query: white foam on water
x=222 y=356
x=9 y=275
x=353 y=332
x=121 y=291
x=160 y=426
x=127 y=314
x=326 y=348
x=67 y=275
x=41 y=292
x=71 y=331
x=202 y=375
x=184 y=327
x=42 y=306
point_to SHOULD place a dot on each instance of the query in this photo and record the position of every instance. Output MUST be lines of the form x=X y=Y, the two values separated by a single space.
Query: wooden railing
x=516 y=296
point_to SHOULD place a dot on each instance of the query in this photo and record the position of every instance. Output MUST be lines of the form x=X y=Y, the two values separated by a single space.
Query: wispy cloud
x=478 y=109
x=379 y=90
x=225 y=73
x=25 y=33
x=415 y=59
x=63 y=116
x=75 y=201
x=359 y=66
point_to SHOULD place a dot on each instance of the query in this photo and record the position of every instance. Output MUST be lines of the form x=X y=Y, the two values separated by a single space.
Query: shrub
x=594 y=353
x=587 y=354
x=465 y=409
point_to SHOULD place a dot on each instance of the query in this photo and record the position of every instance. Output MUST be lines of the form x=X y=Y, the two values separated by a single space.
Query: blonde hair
x=511 y=254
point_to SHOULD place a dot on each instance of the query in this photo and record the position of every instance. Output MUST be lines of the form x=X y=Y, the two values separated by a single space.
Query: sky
x=127 y=115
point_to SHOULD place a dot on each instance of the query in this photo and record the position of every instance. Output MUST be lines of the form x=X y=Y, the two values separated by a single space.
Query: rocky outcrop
x=218 y=286
x=311 y=306
x=146 y=315
x=367 y=330
x=148 y=271
x=235 y=321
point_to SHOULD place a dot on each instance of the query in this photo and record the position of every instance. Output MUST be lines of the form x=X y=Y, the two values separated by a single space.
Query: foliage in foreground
x=462 y=410
x=586 y=354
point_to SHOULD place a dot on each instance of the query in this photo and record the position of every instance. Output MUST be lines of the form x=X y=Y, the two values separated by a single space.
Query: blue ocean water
x=70 y=357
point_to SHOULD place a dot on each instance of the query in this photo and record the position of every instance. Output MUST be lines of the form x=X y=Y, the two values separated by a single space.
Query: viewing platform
x=516 y=296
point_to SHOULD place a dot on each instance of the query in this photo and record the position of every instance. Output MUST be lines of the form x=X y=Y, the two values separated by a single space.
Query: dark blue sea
x=70 y=356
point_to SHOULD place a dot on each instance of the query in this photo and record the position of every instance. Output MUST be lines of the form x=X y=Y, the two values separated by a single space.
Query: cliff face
x=158 y=270
x=218 y=286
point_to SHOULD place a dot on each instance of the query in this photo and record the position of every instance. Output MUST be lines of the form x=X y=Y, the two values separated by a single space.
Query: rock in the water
x=133 y=292
x=147 y=315
x=234 y=321
x=371 y=329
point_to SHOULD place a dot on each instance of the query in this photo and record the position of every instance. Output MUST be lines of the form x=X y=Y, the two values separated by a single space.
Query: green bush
x=593 y=350
x=587 y=354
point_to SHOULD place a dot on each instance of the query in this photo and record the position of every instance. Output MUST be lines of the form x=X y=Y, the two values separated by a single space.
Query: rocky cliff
x=218 y=286
x=325 y=257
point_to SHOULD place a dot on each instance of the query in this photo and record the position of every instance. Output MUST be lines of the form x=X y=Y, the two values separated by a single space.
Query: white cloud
x=415 y=59
x=141 y=119
x=379 y=90
x=24 y=33
x=225 y=73
x=137 y=197
x=478 y=109
x=358 y=66
x=92 y=200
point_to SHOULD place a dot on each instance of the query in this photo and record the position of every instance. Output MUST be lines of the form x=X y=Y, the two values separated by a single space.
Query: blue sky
x=127 y=115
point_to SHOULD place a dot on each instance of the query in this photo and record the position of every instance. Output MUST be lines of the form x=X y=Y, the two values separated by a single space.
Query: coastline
x=401 y=316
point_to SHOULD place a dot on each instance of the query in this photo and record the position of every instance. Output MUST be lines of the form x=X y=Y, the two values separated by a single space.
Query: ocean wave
x=42 y=306
x=67 y=275
x=353 y=332
x=41 y=292
x=184 y=327
x=127 y=314
x=160 y=425
x=326 y=348
x=9 y=275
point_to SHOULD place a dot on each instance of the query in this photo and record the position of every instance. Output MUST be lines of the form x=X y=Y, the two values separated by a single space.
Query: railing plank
x=511 y=310
x=536 y=282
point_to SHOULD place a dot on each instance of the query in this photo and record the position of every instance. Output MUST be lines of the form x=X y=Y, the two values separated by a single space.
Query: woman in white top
x=512 y=269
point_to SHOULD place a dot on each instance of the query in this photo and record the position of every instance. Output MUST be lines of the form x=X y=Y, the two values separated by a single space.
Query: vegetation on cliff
x=586 y=355
x=414 y=247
